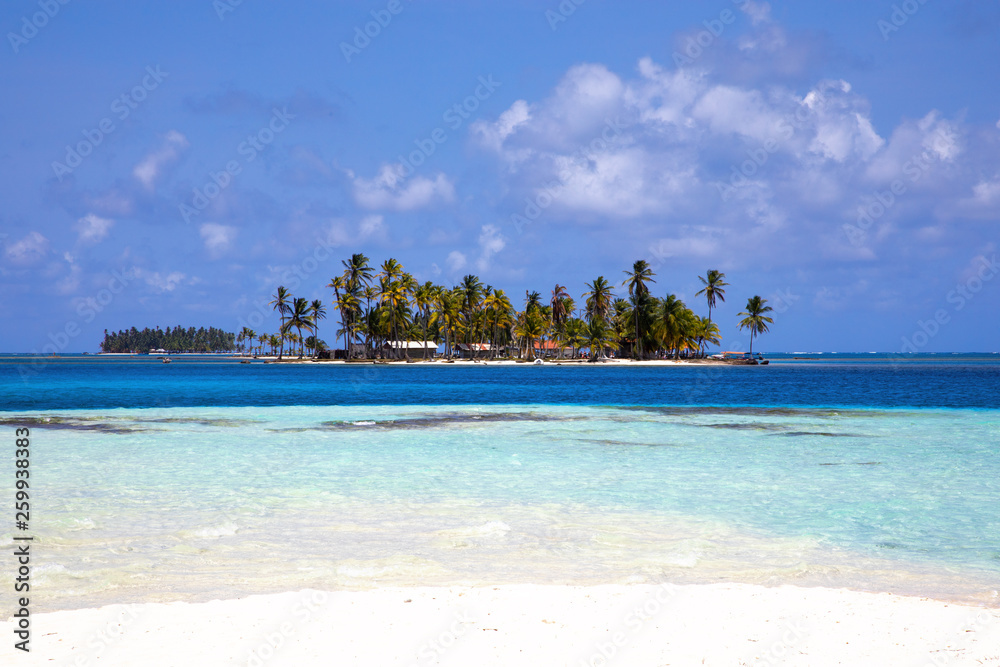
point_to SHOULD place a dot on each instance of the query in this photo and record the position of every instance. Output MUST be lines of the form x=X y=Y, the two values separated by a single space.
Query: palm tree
x=637 y=278
x=370 y=293
x=530 y=327
x=499 y=306
x=598 y=299
x=668 y=324
x=251 y=334
x=620 y=316
x=708 y=332
x=576 y=330
x=357 y=272
x=472 y=295
x=754 y=318
x=598 y=336
x=336 y=284
x=280 y=304
x=423 y=299
x=449 y=309
x=317 y=312
x=714 y=282
x=560 y=311
x=532 y=301
x=299 y=319
x=390 y=292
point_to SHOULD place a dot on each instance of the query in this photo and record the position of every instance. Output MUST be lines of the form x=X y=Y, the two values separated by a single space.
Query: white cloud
x=160 y=282
x=778 y=172
x=150 y=167
x=759 y=12
x=392 y=190
x=456 y=261
x=490 y=243
x=70 y=282
x=217 y=237
x=915 y=147
x=29 y=250
x=92 y=228
x=371 y=226
x=493 y=135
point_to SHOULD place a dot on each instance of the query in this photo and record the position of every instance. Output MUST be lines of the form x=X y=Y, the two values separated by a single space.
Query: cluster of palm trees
x=296 y=313
x=387 y=304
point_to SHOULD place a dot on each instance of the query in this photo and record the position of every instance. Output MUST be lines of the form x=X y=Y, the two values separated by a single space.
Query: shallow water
x=208 y=502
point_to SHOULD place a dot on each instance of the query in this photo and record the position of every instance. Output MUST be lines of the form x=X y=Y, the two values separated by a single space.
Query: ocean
x=206 y=478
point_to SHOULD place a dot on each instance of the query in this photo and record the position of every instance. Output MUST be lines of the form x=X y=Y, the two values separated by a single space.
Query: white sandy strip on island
x=460 y=363
x=710 y=624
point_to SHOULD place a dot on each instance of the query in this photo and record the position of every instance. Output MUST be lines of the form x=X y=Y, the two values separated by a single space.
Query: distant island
x=175 y=340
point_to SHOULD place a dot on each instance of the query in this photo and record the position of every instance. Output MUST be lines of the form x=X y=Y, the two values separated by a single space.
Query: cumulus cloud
x=491 y=241
x=371 y=226
x=391 y=190
x=456 y=261
x=217 y=238
x=161 y=282
x=151 y=166
x=92 y=228
x=773 y=170
x=28 y=251
x=71 y=281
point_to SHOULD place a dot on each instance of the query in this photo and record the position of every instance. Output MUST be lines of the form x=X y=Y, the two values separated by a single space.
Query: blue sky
x=172 y=163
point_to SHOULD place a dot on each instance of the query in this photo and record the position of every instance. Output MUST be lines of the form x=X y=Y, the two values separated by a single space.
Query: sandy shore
x=711 y=624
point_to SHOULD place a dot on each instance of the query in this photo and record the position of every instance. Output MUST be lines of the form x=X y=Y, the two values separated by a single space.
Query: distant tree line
x=177 y=339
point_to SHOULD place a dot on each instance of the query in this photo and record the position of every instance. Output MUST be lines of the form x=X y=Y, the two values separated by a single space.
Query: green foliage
x=177 y=339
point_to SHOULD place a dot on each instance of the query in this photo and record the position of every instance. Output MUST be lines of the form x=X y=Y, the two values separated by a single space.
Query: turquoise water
x=223 y=498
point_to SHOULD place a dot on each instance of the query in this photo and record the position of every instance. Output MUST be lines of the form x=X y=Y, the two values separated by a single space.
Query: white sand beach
x=637 y=625
x=470 y=363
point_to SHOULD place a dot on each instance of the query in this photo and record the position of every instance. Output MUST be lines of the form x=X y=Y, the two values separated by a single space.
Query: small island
x=386 y=315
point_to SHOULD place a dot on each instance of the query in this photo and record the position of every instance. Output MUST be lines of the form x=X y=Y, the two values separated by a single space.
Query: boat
x=166 y=361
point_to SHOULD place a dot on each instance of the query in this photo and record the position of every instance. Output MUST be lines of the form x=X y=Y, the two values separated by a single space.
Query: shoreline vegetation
x=388 y=316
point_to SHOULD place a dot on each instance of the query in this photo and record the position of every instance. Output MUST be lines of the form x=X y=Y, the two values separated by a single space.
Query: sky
x=173 y=163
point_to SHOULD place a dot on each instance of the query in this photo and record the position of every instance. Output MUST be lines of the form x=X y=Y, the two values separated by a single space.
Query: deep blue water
x=936 y=381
